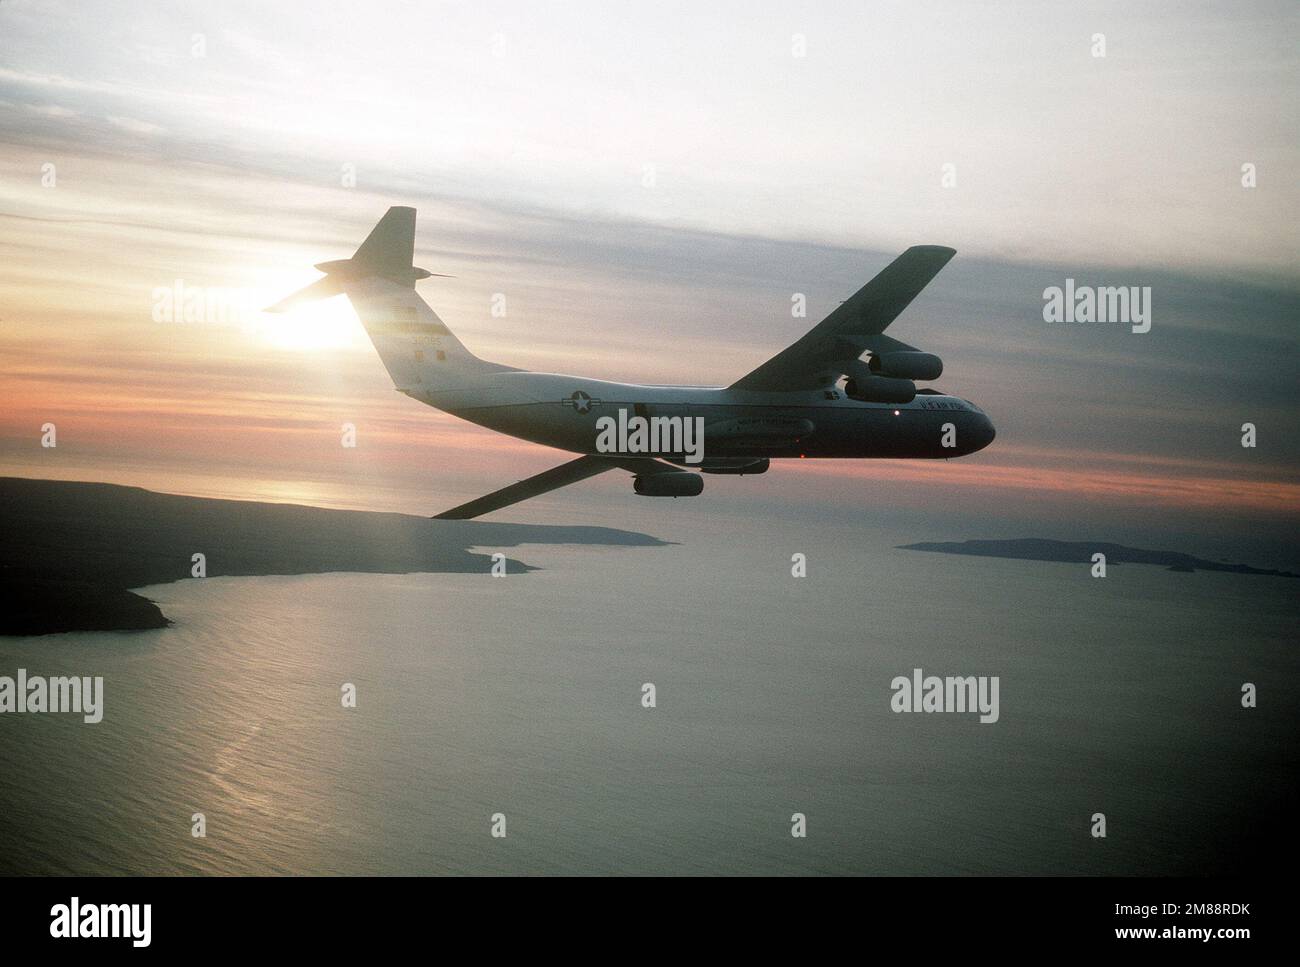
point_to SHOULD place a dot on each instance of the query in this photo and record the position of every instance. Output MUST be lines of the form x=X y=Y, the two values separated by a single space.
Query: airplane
x=817 y=398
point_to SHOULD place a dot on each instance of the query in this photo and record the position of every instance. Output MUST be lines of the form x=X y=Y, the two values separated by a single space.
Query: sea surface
x=522 y=696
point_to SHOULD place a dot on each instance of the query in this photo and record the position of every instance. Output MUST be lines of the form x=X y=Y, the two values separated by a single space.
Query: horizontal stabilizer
x=386 y=253
x=320 y=289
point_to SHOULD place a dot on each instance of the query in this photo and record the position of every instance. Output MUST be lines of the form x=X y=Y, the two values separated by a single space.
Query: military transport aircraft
x=815 y=398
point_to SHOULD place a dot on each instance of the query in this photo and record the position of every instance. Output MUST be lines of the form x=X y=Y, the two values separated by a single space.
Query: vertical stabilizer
x=419 y=351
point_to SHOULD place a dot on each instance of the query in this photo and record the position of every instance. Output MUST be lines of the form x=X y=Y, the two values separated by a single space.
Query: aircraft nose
x=984 y=432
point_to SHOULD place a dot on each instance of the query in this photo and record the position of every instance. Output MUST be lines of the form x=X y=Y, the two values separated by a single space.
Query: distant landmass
x=70 y=551
x=1080 y=552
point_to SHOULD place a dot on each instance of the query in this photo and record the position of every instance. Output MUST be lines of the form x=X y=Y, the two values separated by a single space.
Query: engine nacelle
x=880 y=389
x=675 y=483
x=908 y=365
x=865 y=385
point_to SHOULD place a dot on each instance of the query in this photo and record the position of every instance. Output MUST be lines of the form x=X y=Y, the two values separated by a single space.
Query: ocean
x=481 y=699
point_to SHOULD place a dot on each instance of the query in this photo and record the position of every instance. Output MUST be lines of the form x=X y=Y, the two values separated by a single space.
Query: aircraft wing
x=553 y=479
x=855 y=326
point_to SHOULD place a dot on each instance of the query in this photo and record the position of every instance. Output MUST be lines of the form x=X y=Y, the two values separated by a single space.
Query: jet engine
x=907 y=365
x=880 y=389
x=865 y=385
x=675 y=483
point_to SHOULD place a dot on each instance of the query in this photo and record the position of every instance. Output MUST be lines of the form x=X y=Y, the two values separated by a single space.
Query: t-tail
x=419 y=351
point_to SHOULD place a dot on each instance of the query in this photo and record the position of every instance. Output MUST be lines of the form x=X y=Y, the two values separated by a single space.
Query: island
x=70 y=551
x=1080 y=552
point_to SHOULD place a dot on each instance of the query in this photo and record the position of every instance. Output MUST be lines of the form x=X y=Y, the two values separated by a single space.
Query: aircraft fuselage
x=562 y=412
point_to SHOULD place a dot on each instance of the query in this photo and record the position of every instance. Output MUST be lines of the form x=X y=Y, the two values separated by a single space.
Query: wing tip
x=946 y=251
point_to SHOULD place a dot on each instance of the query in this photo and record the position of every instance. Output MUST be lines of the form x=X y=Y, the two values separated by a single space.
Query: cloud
x=771 y=178
x=1120 y=160
x=133 y=125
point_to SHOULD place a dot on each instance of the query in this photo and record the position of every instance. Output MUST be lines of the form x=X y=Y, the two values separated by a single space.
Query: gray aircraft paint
x=790 y=407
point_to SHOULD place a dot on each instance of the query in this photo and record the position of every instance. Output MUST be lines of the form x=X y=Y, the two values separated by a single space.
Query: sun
x=327 y=324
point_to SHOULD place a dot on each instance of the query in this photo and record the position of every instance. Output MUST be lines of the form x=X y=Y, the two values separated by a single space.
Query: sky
x=648 y=185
